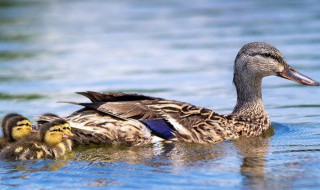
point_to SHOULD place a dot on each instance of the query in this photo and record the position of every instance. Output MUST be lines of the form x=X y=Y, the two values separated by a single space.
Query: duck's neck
x=249 y=96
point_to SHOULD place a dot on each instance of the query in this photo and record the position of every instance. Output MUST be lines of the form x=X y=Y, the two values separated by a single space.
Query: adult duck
x=134 y=119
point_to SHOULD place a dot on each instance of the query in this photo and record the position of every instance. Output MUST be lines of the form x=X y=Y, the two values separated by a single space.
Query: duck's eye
x=267 y=55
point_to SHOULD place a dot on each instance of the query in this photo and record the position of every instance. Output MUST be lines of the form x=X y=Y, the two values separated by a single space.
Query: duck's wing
x=121 y=105
x=188 y=122
x=115 y=96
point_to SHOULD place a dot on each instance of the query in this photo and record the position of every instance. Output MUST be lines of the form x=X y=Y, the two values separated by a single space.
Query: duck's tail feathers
x=115 y=96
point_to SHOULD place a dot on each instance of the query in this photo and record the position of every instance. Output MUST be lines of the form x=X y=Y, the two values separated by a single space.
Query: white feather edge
x=180 y=128
x=145 y=130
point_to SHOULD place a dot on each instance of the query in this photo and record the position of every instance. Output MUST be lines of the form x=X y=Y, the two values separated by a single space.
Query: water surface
x=173 y=49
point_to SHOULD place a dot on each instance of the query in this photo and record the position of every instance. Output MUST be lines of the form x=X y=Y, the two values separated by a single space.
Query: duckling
x=65 y=125
x=14 y=129
x=49 y=144
x=5 y=122
x=66 y=128
x=40 y=122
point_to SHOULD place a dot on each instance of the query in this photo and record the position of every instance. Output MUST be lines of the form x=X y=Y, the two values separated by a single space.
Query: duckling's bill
x=64 y=136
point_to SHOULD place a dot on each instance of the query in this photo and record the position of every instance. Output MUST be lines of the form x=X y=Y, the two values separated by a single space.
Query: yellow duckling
x=15 y=127
x=65 y=125
x=5 y=120
x=66 y=128
x=50 y=143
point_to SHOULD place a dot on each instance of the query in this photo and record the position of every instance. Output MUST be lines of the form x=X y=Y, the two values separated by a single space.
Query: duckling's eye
x=56 y=130
x=67 y=128
x=22 y=123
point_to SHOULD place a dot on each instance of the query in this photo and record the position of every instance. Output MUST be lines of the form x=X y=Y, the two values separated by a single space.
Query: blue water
x=173 y=49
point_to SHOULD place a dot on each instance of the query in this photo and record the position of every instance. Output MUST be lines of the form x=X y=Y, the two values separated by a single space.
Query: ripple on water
x=303 y=137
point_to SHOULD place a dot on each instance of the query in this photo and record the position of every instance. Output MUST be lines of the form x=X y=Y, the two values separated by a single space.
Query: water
x=173 y=49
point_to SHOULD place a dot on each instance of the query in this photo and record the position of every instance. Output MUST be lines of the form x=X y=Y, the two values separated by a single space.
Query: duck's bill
x=291 y=74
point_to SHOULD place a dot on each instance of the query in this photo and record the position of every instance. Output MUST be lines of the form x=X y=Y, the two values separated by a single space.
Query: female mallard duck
x=49 y=144
x=136 y=119
x=14 y=127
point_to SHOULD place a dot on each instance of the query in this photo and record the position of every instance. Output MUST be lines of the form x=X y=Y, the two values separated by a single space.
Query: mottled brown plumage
x=116 y=117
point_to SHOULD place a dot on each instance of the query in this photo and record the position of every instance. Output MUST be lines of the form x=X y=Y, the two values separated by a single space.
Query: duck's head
x=18 y=127
x=5 y=120
x=52 y=133
x=258 y=59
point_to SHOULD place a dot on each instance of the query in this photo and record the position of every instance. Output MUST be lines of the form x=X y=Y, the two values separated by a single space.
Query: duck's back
x=136 y=119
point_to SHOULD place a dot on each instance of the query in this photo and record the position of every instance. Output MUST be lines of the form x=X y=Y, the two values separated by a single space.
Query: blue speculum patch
x=160 y=127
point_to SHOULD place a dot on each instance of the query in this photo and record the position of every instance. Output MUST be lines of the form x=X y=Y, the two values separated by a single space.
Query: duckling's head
x=41 y=121
x=67 y=129
x=258 y=59
x=52 y=133
x=18 y=127
x=5 y=120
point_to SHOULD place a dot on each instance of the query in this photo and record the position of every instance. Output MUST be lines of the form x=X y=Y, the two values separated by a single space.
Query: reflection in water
x=37 y=165
x=253 y=151
x=173 y=154
x=113 y=165
x=179 y=155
